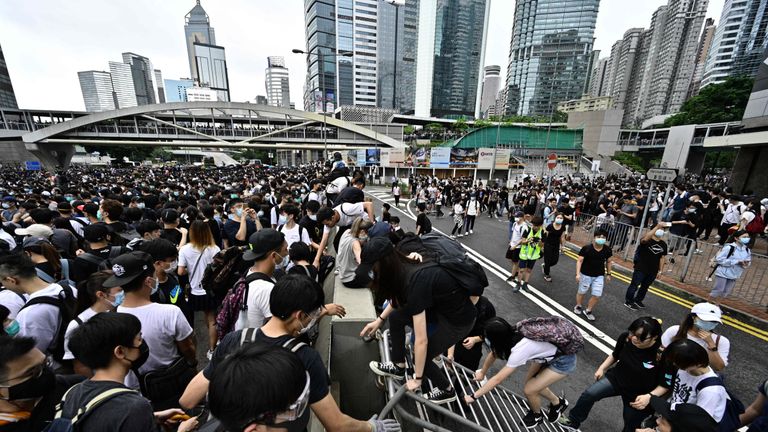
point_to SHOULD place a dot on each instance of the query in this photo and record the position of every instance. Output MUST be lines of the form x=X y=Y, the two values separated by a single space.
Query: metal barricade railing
x=689 y=260
x=497 y=411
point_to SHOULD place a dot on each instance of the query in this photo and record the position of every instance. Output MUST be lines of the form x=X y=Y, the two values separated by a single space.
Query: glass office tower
x=7 y=96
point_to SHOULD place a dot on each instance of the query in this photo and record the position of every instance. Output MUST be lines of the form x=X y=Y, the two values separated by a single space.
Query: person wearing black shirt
x=649 y=262
x=171 y=230
x=592 y=269
x=423 y=224
x=552 y=244
x=469 y=352
x=421 y=296
x=309 y=222
x=637 y=371
x=241 y=224
x=98 y=236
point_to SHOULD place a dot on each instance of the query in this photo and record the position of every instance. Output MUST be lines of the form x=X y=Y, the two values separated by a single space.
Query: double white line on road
x=591 y=333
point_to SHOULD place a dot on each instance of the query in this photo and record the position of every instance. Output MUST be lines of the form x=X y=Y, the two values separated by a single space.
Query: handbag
x=167 y=383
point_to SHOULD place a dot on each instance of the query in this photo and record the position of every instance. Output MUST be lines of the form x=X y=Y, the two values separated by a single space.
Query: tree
x=715 y=103
x=409 y=130
x=460 y=125
x=481 y=123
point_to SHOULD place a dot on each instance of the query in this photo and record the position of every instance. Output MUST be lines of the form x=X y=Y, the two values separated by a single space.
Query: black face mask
x=143 y=356
x=33 y=388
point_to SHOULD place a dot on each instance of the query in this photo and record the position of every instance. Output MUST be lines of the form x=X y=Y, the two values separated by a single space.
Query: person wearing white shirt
x=194 y=257
x=291 y=229
x=268 y=251
x=342 y=217
x=699 y=326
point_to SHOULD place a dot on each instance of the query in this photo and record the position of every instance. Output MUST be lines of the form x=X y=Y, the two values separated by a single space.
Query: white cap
x=707 y=312
x=35 y=230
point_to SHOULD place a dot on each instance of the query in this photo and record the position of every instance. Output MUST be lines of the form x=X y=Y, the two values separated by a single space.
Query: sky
x=46 y=42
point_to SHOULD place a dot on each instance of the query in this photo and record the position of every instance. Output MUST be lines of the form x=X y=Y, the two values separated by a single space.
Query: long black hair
x=392 y=278
x=501 y=337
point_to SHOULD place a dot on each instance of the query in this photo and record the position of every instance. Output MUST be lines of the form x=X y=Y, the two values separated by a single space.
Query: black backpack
x=224 y=271
x=66 y=302
x=102 y=263
x=733 y=407
x=427 y=226
x=451 y=257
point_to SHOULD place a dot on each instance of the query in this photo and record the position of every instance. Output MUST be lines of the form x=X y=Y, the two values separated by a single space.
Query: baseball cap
x=33 y=241
x=64 y=205
x=519 y=214
x=684 y=417
x=96 y=232
x=35 y=230
x=263 y=242
x=374 y=249
x=707 y=312
x=128 y=267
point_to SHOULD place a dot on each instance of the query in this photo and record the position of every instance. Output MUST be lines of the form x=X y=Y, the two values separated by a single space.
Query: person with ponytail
x=49 y=264
x=699 y=326
x=632 y=369
x=92 y=299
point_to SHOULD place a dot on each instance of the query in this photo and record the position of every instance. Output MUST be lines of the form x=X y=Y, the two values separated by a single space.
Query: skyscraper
x=122 y=84
x=7 y=95
x=98 y=93
x=705 y=43
x=276 y=80
x=549 y=55
x=623 y=61
x=176 y=90
x=491 y=83
x=143 y=78
x=648 y=58
x=207 y=61
x=451 y=53
x=738 y=46
x=159 y=86
x=597 y=84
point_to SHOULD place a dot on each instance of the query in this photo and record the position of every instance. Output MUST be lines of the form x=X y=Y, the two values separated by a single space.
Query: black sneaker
x=531 y=420
x=388 y=369
x=554 y=411
x=630 y=305
x=440 y=396
x=525 y=287
x=567 y=424
x=511 y=278
x=515 y=287
x=639 y=304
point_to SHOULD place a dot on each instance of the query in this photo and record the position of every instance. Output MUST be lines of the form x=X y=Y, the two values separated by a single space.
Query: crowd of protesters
x=103 y=272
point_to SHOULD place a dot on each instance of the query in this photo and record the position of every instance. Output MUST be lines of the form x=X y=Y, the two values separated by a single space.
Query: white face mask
x=155 y=287
x=312 y=217
x=283 y=263
x=173 y=267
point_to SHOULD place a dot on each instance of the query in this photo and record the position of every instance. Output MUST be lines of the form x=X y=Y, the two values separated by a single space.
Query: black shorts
x=513 y=254
x=201 y=303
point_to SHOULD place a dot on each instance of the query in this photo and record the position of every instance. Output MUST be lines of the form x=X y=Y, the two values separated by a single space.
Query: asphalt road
x=747 y=361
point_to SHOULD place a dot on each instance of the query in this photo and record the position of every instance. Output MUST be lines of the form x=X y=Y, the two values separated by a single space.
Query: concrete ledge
x=357 y=301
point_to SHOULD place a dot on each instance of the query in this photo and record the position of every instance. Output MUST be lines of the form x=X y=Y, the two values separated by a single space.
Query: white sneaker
x=209 y=355
x=471 y=231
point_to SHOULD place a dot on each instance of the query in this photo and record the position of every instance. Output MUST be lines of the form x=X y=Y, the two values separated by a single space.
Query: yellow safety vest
x=530 y=251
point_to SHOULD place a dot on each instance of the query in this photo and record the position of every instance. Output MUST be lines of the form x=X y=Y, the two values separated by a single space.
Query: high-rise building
x=550 y=54
x=261 y=100
x=597 y=83
x=159 y=86
x=451 y=54
x=197 y=29
x=625 y=67
x=491 y=84
x=143 y=78
x=207 y=61
x=98 y=93
x=276 y=81
x=740 y=41
x=122 y=84
x=176 y=90
x=705 y=43
x=7 y=95
x=648 y=58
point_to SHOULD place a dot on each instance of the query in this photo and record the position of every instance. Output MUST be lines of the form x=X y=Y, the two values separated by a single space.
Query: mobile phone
x=667 y=224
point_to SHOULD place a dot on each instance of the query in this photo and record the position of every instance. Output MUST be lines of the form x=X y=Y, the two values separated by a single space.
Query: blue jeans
x=601 y=390
x=641 y=280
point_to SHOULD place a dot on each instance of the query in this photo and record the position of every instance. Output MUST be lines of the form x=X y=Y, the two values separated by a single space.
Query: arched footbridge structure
x=52 y=137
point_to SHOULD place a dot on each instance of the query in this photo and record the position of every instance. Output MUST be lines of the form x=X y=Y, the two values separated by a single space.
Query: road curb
x=687 y=295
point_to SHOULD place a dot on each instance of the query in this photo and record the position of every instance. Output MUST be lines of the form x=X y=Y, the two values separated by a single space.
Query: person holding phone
x=731 y=262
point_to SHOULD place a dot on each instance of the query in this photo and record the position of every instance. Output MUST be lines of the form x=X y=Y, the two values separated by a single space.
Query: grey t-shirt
x=628 y=208
x=128 y=411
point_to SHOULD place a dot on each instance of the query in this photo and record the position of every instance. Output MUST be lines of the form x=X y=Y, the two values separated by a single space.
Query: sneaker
x=548 y=278
x=453 y=236
x=531 y=420
x=525 y=287
x=209 y=355
x=471 y=231
x=578 y=309
x=639 y=304
x=589 y=315
x=515 y=287
x=554 y=411
x=567 y=424
x=440 y=396
x=510 y=278
x=460 y=235
x=387 y=369
x=630 y=305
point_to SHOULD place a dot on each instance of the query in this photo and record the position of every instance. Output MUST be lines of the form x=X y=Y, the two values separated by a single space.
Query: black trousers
x=551 y=257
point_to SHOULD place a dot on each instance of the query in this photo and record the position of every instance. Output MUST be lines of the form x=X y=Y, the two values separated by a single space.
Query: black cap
x=128 y=267
x=374 y=249
x=96 y=232
x=263 y=242
x=64 y=205
x=684 y=417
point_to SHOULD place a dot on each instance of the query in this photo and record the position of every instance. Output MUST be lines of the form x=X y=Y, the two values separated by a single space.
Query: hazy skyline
x=47 y=42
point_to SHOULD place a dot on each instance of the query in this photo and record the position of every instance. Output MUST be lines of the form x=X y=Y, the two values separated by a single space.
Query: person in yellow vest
x=529 y=252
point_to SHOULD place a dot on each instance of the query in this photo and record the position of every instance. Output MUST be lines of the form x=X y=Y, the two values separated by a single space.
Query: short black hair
x=146 y=226
x=299 y=251
x=648 y=327
x=295 y=292
x=313 y=206
x=422 y=207
x=12 y=348
x=94 y=341
x=601 y=233
x=685 y=353
x=394 y=220
x=4 y=313
x=324 y=214
x=18 y=265
x=133 y=214
x=169 y=216
x=291 y=209
x=387 y=206
x=159 y=249
x=245 y=368
x=537 y=221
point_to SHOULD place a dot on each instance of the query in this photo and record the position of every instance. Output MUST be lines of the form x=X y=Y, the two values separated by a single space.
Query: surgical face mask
x=99 y=215
x=119 y=297
x=362 y=238
x=155 y=287
x=6 y=206
x=572 y=203
x=312 y=217
x=284 y=262
x=141 y=205
x=517 y=219
x=312 y=322
x=705 y=325
x=239 y=212
x=233 y=195
x=600 y=241
x=13 y=328
x=260 y=213
x=659 y=233
x=744 y=240
x=558 y=220
x=172 y=268
x=281 y=220
x=69 y=198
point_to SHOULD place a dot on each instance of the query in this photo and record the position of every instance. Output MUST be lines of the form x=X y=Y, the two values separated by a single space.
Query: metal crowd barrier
x=688 y=261
x=499 y=411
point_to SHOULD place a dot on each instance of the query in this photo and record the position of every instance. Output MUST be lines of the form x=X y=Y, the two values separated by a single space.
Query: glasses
x=35 y=372
x=292 y=413
x=640 y=339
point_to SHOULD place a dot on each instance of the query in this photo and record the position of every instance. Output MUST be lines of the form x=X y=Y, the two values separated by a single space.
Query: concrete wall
x=750 y=171
x=15 y=151
x=601 y=130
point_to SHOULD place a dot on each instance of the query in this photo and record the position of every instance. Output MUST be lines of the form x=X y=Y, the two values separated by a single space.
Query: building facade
x=211 y=69
x=276 y=81
x=143 y=78
x=7 y=95
x=201 y=94
x=197 y=29
x=159 y=86
x=122 y=84
x=176 y=90
x=97 y=90
x=705 y=44
x=597 y=83
x=585 y=104
x=491 y=84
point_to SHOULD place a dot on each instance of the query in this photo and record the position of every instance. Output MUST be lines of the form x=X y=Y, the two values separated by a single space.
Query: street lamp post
x=323 y=99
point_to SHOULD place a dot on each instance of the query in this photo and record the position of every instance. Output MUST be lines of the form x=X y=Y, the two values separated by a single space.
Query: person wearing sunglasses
x=29 y=389
x=630 y=370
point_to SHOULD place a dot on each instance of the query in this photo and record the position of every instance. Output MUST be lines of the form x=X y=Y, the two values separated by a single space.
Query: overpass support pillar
x=695 y=162
x=750 y=171
x=52 y=156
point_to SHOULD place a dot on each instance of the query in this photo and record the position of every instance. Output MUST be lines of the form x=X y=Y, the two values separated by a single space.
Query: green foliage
x=481 y=123
x=631 y=161
x=434 y=127
x=460 y=125
x=253 y=154
x=408 y=129
x=715 y=103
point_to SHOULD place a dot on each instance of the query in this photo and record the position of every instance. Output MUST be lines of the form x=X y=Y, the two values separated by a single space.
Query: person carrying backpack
x=47 y=312
x=549 y=343
x=418 y=294
x=754 y=221
x=99 y=253
x=110 y=344
x=731 y=262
